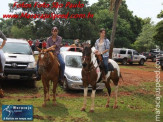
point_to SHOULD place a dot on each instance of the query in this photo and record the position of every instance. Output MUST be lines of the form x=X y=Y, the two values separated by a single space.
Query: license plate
x=13 y=76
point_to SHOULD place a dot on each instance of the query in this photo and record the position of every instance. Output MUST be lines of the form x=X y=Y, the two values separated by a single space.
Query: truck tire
x=124 y=62
x=154 y=59
x=141 y=62
x=65 y=85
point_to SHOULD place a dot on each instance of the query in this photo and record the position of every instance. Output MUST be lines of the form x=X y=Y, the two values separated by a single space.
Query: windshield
x=74 y=61
x=17 y=48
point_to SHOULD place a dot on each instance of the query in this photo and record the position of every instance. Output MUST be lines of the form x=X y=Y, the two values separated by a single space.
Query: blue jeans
x=105 y=60
x=62 y=66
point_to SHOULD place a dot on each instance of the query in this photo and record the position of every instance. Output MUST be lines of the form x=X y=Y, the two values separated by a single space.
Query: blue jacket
x=105 y=47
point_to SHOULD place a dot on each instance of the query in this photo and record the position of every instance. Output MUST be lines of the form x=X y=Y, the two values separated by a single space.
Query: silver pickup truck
x=130 y=56
x=20 y=62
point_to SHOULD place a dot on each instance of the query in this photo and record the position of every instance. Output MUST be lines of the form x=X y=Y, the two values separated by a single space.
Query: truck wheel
x=154 y=59
x=141 y=62
x=65 y=85
x=124 y=62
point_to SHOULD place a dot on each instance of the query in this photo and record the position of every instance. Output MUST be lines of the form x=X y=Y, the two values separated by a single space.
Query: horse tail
x=121 y=77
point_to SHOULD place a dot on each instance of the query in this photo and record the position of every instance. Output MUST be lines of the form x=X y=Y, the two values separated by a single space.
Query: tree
x=5 y=26
x=145 y=41
x=115 y=4
x=69 y=28
x=158 y=36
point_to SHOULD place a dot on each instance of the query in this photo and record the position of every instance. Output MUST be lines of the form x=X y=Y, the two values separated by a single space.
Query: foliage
x=158 y=36
x=145 y=41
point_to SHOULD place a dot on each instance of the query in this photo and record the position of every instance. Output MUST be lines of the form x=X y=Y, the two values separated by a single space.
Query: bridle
x=92 y=67
x=45 y=65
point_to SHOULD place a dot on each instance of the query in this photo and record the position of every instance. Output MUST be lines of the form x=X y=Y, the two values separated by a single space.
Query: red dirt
x=135 y=76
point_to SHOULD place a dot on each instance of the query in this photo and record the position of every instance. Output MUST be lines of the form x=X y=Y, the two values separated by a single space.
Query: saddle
x=101 y=63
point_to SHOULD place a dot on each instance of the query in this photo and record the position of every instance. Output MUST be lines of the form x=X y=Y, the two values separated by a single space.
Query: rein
x=93 y=65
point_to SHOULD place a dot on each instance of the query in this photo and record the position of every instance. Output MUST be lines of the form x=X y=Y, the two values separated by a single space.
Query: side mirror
x=36 y=52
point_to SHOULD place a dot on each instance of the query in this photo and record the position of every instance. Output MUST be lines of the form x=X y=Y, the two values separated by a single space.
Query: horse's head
x=86 y=58
x=44 y=58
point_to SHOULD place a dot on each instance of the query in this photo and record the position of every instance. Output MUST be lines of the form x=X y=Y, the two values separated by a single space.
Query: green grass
x=137 y=107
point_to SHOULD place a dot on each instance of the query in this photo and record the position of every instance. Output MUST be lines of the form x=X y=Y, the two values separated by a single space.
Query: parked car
x=69 y=48
x=152 y=54
x=128 y=56
x=20 y=62
x=73 y=68
x=161 y=62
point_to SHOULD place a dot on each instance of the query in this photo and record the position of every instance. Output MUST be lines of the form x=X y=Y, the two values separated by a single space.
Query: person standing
x=2 y=57
x=57 y=40
x=102 y=46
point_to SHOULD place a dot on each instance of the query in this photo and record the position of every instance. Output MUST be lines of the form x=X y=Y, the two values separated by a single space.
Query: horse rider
x=2 y=57
x=102 y=46
x=57 y=41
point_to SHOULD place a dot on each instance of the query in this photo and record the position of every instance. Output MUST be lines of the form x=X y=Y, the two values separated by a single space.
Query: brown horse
x=91 y=75
x=49 y=70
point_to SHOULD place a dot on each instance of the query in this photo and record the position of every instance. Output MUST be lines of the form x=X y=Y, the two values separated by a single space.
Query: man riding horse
x=57 y=40
x=2 y=60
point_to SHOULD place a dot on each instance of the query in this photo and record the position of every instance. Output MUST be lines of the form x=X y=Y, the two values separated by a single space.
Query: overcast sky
x=141 y=8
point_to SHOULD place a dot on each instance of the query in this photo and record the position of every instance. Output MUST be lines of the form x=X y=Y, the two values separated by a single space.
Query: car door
x=135 y=56
x=130 y=56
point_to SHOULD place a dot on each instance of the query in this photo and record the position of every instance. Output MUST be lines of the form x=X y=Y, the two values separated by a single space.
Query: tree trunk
x=116 y=9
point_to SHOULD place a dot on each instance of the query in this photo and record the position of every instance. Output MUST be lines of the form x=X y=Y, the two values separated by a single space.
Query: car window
x=73 y=61
x=17 y=48
x=122 y=51
x=72 y=49
x=129 y=52
x=78 y=49
x=135 y=53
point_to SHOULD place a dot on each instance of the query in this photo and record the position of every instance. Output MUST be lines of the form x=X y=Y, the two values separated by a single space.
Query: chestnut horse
x=91 y=75
x=49 y=70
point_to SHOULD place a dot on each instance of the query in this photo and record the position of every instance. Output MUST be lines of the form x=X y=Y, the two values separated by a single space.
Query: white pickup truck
x=128 y=56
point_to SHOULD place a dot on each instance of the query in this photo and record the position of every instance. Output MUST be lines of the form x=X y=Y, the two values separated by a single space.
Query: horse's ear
x=39 y=49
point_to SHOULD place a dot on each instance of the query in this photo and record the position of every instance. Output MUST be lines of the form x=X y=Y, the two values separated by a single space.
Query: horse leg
x=54 y=91
x=115 y=79
x=85 y=98
x=45 y=92
x=107 y=84
x=48 y=92
x=116 y=94
x=93 y=98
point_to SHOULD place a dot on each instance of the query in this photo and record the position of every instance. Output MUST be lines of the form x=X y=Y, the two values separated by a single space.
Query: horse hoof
x=115 y=107
x=91 y=111
x=43 y=105
x=83 y=109
x=107 y=106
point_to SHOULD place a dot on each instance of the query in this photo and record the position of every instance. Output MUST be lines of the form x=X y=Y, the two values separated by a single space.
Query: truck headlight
x=31 y=65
